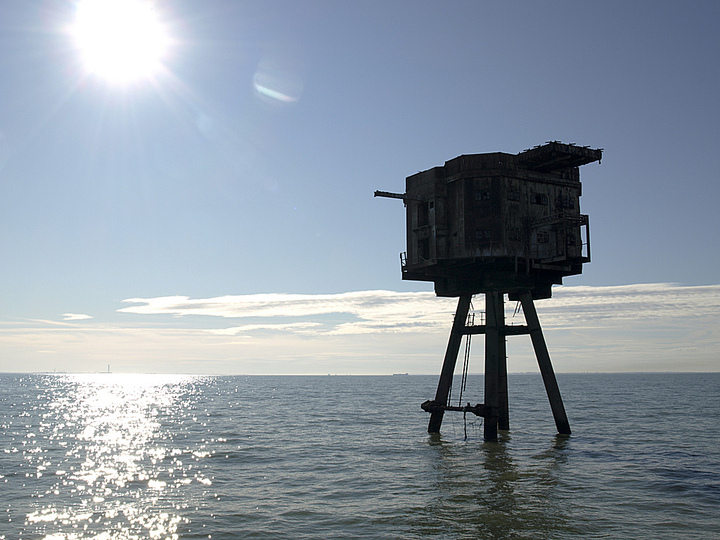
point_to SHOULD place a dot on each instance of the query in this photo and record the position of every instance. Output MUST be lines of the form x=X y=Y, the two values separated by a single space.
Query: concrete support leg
x=543 y=358
x=494 y=315
x=448 y=368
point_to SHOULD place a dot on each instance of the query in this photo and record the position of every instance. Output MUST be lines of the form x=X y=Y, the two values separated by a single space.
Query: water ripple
x=111 y=457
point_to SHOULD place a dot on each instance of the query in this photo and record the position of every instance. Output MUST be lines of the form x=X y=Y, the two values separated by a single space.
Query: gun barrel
x=389 y=195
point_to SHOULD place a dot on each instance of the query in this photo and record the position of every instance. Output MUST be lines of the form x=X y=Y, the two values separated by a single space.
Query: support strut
x=448 y=369
x=543 y=358
x=494 y=322
x=495 y=409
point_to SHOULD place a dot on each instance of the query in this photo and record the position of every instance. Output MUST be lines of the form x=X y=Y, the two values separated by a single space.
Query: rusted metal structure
x=497 y=224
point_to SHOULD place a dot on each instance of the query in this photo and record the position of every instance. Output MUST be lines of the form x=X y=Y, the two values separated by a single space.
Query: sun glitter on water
x=120 y=41
x=104 y=460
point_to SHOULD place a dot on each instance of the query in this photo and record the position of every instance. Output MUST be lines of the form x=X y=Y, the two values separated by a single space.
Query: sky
x=210 y=209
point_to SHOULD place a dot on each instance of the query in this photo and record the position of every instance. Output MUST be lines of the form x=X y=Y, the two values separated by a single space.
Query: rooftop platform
x=553 y=156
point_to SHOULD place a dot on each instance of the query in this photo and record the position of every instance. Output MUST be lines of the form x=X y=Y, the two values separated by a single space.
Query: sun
x=120 y=41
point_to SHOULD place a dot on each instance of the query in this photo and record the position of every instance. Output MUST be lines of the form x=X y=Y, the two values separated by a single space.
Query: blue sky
x=246 y=166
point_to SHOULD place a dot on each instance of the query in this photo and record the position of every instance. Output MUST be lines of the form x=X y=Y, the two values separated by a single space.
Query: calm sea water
x=113 y=457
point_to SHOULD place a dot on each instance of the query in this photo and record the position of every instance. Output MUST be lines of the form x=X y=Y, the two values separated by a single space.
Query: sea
x=120 y=456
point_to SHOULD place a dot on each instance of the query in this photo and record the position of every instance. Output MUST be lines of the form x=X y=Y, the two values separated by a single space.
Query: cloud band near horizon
x=390 y=311
x=646 y=327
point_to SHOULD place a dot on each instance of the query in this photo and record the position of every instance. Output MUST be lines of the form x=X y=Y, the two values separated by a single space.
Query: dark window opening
x=424 y=249
x=566 y=202
x=423 y=215
x=540 y=198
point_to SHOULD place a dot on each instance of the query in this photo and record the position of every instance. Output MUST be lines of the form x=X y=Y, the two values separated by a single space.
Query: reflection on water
x=101 y=461
x=485 y=492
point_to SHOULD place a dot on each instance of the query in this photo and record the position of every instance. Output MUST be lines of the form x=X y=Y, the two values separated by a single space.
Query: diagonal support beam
x=543 y=358
x=448 y=369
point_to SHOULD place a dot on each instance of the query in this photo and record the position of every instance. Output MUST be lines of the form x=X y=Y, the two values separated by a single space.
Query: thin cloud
x=302 y=327
x=275 y=305
x=76 y=317
x=345 y=313
x=380 y=311
x=580 y=306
